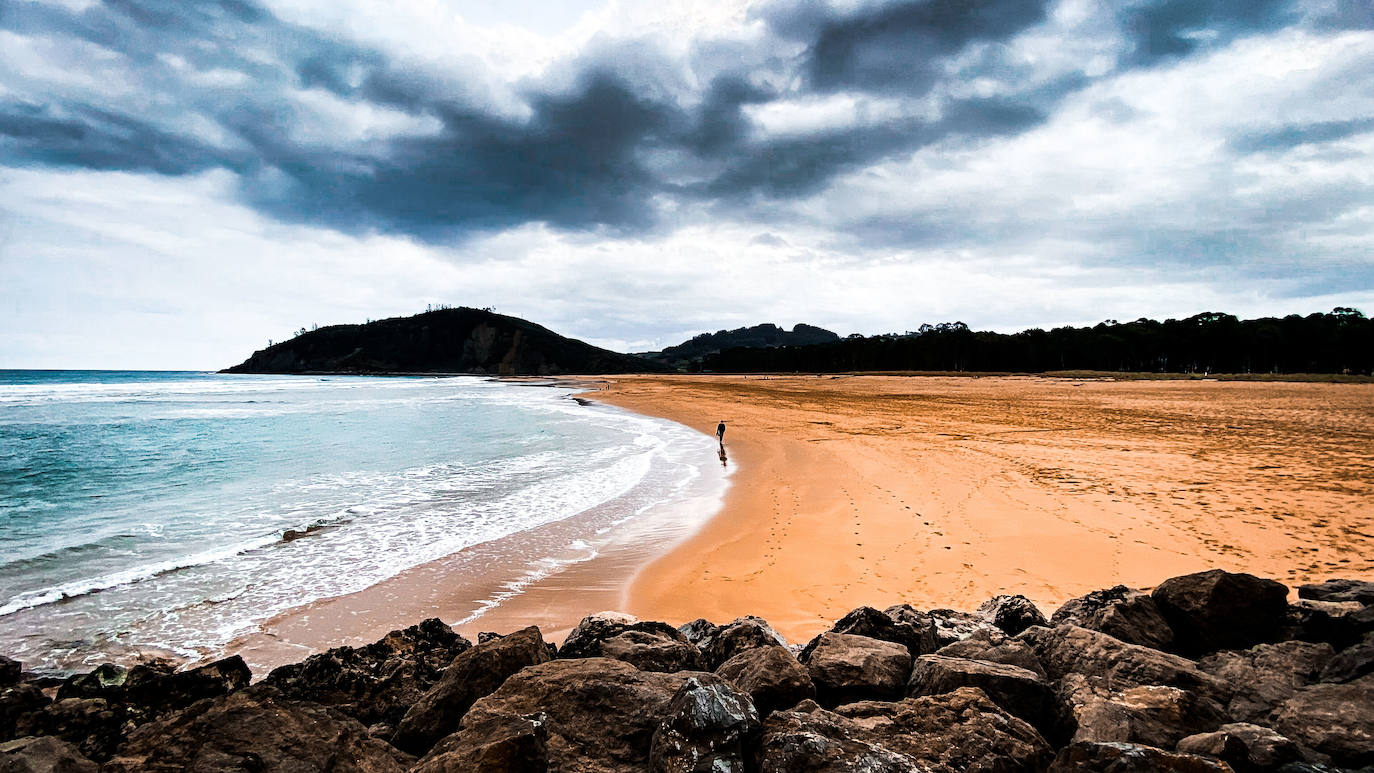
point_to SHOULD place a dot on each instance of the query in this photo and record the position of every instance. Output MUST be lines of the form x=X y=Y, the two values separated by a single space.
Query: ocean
x=173 y=512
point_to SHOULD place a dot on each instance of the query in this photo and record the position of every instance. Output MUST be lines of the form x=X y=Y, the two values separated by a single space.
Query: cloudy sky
x=182 y=180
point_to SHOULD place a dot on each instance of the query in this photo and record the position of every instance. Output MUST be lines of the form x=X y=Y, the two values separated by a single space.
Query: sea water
x=175 y=512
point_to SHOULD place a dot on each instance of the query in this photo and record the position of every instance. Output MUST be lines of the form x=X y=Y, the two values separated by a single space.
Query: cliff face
x=446 y=341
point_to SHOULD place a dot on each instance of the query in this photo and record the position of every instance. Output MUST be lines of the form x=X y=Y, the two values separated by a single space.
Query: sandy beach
x=940 y=492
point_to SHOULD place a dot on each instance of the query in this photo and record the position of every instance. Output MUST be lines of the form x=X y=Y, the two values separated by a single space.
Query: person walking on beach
x=720 y=432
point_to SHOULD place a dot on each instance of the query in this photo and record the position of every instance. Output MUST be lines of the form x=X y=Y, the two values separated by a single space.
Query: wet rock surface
x=772 y=676
x=707 y=728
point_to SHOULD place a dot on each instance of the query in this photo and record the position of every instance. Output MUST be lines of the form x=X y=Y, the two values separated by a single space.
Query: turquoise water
x=152 y=510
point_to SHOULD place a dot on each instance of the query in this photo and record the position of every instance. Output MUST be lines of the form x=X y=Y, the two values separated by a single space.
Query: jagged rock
x=737 y=636
x=96 y=726
x=1068 y=649
x=153 y=691
x=772 y=677
x=958 y=731
x=11 y=671
x=473 y=673
x=1339 y=624
x=376 y=683
x=705 y=730
x=699 y=632
x=1351 y=663
x=500 y=745
x=1245 y=747
x=1012 y=614
x=485 y=636
x=588 y=638
x=1129 y=615
x=1217 y=610
x=994 y=647
x=17 y=702
x=106 y=681
x=950 y=625
x=653 y=651
x=915 y=633
x=1360 y=591
x=43 y=754
x=1334 y=719
x=256 y=729
x=1022 y=693
x=1148 y=715
x=1130 y=758
x=601 y=713
x=1266 y=675
x=848 y=668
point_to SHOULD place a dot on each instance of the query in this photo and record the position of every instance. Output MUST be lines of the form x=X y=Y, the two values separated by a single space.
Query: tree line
x=1339 y=342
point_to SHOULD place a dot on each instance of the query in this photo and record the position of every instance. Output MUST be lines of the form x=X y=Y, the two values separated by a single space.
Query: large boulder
x=1149 y=715
x=378 y=682
x=600 y=714
x=500 y=745
x=474 y=673
x=1217 y=610
x=1361 y=591
x=588 y=639
x=1130 y=758
x=737 y=636
x=1068 y=649
x=951 y=625
x=94 y=725
x=1129 y=615
x=958 y=731
x=916 y=633
x=653 y=651
x=104 y=681
x=43 y=754
x=1245 y=747
x=772 y=677
x=847 y=668
x=1339 y=624
x=1012 y=614
x=256 y=729
x=994 y=647
x=1334 y=719
x=706 y=729
x=1022 y=693
x=1350 y=663
x=18 y=702
x=1266 y=675
x=151 y=691
x=11 y=671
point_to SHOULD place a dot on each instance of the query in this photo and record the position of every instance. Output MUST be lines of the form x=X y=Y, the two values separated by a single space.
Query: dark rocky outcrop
x=994 y=647
x=153 y=691
x=458 y=340
x=1334 y=719
x=1068 y=649
x=1012 y=614
x=378 y=682
x=1350 y=663
x=104 y=681
x=958 y=731
x=1129 y=615
x=1360 y=591
x=847 y=668
x=1217 y=610
x=10 y=672
x=649 y=646
x=475 y=672
x=43 y=754
x=772 y=677
x=1266 y=675
x=707 y=728
x=18 y=702
x=1246 y=748
x=915 y=632
x=1130 y=758
x=499 y=745
x=1022 y=693
x=950 y=625
x=720 y=643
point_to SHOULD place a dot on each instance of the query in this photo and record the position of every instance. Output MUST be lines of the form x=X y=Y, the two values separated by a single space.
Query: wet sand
x=942 y=492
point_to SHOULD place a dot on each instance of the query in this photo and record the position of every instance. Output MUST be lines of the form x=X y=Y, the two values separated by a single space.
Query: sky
x=182 y=181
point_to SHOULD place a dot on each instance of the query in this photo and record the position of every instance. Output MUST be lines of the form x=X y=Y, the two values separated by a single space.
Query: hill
x=460 y=340
x=759 y=336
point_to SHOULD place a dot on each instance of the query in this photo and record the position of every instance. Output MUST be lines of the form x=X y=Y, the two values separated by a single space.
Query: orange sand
x=945 y=491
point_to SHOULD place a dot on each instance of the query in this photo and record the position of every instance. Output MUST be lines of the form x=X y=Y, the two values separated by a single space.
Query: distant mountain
x=758 y=336
x=458 y=340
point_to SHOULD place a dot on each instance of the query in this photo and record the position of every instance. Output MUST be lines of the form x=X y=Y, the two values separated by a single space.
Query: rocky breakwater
x=1208 y=672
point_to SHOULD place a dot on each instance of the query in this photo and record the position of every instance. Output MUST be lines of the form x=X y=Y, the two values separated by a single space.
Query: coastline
x=942 y=492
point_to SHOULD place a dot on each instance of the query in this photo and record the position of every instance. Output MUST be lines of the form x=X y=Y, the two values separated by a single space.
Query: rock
x=735 y=637
x=485 y=636
x=1247 y=748
x=1266 y=675
x=1351 y=663
x=501 y=745
x=11 y=671
x=376 y=683
x=1011 y=614
x=601 y=713
x=772 y=677
x=1217 y=610
x=153 y=691
x=1130 y=758
x=653 y=651
x=1334 y=719
x=106 y=681
x=1147 y=715
x=1128 y=615
x=706 y=729
x=1068 y=649
x=1020 y=692
x=256 y=729
x=43 y=754
x=917 y=634
x=474 y=673
x=588 y=638
x=18 y=702
x=994 y=647
x=847 y=668
x=699 y=632
x=950 y=625
x=96 y=726
x=1360 y=591
x=958 y=731
x=1338 y=624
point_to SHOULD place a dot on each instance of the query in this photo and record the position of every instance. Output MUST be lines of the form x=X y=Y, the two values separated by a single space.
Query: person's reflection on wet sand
x=722 y=455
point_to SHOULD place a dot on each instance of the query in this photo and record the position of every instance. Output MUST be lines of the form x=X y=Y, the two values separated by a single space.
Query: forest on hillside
x=1341 y=341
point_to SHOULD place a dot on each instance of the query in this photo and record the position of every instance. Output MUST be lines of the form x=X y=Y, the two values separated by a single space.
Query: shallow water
x=177 y=511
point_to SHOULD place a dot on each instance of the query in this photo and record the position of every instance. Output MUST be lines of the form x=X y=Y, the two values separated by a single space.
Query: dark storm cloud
x=1168 y=29
x=1295 y=135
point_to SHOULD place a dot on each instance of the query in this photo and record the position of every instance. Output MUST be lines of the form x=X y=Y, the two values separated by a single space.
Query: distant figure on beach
x=720 y=432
